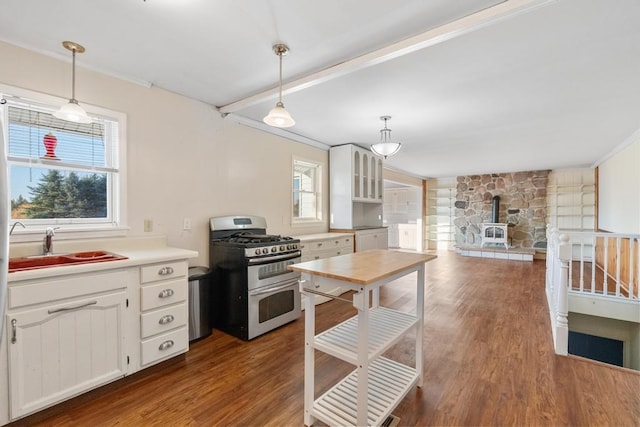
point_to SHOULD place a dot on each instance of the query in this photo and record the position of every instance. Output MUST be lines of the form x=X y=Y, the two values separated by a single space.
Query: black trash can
x=199 y=303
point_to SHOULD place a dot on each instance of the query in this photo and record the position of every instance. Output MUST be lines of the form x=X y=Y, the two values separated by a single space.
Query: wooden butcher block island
x=369 y=394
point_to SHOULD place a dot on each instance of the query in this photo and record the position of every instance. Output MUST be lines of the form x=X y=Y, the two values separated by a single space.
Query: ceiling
x=475 y=86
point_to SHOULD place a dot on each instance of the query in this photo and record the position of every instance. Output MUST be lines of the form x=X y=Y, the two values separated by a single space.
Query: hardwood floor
x=488 y=360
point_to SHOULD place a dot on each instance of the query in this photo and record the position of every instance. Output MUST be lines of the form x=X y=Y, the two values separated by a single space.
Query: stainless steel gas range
x=253 y=292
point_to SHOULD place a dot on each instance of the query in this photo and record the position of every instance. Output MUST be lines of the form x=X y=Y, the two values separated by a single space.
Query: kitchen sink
x=44 y=261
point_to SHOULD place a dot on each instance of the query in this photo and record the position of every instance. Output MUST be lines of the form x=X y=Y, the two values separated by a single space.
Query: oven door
x=272 y=306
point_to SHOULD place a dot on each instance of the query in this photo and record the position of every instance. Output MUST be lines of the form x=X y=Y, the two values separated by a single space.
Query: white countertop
x=137 y=251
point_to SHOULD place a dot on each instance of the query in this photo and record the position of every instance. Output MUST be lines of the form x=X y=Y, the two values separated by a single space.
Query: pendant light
x=278 y=116
x=72 y=111
x=385 y=147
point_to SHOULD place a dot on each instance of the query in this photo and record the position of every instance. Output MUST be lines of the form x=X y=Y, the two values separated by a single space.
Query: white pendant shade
x=385 y=149
x=279 y=117
x=72 y=112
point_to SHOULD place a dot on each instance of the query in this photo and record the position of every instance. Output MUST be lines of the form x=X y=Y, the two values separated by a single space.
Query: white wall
x=619 y=191
x=183 y=159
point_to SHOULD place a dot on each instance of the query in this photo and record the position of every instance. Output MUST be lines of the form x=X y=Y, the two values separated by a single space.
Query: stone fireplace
x=521 y=212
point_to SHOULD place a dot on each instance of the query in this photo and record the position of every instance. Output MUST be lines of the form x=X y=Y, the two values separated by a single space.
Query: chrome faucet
x=47 y=245
x=14 y=226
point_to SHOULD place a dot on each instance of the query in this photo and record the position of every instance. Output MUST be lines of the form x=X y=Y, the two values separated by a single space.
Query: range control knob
x=274 y=249
x=288 y=246
x=257 y=251
x=282 y=248
x=295 y=246
x=265 y=250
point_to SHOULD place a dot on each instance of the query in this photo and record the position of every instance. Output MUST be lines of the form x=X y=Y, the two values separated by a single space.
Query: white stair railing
x=601 y=265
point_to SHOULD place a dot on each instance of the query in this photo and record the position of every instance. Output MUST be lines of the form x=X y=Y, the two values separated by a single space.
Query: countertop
x=363 y=268
x=321 y=236
x=137 y=251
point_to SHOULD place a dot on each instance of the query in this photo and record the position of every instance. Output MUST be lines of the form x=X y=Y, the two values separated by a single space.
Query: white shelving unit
x=374 y=388
x=441 y=197
x=571 y=199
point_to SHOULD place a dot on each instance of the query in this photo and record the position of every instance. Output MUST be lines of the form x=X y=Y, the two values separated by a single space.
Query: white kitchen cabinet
x=372 y=238
x=393 y=236
x=63 y=347
x=356 y=187
x=321 y=246
x=408 y=236
x=163 y=311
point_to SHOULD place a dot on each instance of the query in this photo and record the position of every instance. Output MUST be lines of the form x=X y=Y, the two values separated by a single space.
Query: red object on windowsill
x=50 y=141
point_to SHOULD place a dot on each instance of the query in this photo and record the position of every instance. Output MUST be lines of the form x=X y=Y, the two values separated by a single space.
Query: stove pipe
x=495 y=209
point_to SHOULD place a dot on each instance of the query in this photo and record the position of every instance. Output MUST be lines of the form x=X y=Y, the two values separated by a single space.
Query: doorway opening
x=402 y=214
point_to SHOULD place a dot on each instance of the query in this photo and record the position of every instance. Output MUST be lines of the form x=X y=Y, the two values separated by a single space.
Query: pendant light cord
x=280 y=90
x=73 y=74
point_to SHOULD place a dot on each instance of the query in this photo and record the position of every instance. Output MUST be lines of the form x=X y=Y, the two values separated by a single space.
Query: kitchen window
x=307 y=198
x=62 y=174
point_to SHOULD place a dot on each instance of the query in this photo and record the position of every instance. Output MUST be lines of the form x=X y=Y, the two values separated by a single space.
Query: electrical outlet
x=148 y=225
x=186 y=224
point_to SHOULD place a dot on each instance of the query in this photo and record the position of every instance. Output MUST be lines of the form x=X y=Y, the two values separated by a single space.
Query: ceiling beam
x=491 y=15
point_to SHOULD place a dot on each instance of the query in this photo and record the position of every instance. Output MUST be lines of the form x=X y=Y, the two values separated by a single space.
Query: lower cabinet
x=69 y=334
x=164 y=312
x=325 y=245
x=61 y=349
x=372 y=238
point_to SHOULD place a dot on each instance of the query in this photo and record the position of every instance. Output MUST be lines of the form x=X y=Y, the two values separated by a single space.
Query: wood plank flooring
x=488 y=360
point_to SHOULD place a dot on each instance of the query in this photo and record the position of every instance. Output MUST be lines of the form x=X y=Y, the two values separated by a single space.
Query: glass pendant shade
x=279 y=117
x=386 y=149
x=72 y=112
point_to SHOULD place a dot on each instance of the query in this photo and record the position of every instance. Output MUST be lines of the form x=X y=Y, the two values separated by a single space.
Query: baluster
x=633 y=243
x=582 y=265
x=593 y=264
x=606 y=265
x=618 y=257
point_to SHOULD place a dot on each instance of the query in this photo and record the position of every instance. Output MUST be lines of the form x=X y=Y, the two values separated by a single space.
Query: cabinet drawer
x=163 y=320
x=161 y=294
x=327 y=253
x=342 y=242
x=165 y=345
x=165 y=270
x=35 y=292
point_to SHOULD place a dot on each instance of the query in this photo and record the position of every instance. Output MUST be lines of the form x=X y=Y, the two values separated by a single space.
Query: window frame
x=116 y=181
x=317 y=219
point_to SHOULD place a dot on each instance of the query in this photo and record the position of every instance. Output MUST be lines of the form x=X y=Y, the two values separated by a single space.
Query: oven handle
x=273 y=289
x=268 y=259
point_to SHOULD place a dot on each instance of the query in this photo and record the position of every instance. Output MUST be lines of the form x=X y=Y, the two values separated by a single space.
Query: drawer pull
x=166 y=293
x=166 y=319
x=165 y=271
x=165 y=345
x=13 y=331
x=76 y=307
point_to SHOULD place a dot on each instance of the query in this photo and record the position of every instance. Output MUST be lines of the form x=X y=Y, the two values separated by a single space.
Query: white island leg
x=309 y=351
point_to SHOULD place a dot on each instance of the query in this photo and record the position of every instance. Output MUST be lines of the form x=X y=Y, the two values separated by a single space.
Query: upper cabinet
x=350 y=163
x=356 y=180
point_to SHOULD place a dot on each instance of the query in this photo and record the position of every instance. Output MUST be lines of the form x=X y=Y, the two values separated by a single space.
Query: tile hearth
x=497 y=252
